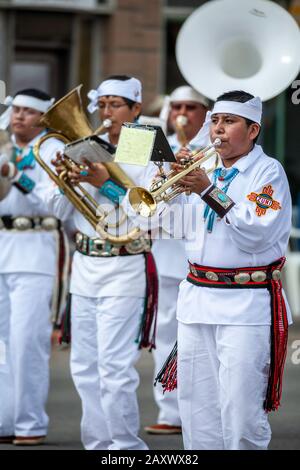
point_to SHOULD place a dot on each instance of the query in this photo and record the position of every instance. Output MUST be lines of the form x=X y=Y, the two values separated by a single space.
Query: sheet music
x=135 y=146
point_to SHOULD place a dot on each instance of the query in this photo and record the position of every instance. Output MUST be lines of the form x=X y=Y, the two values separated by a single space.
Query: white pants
x=222 y=382
x=25 y=331
x=103 y=355
x=166 y=336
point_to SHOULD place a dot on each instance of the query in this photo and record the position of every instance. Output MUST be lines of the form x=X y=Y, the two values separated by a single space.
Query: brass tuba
x=69 y=123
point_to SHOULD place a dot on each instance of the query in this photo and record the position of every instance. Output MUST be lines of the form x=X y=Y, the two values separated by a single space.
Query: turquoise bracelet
x=112 y=190
x=25 y=184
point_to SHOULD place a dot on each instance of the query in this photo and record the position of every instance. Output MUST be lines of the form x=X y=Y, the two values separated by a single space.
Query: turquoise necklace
x=220 y=174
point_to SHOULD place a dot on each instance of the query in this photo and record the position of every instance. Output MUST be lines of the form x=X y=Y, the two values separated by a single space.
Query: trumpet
x=165 y=188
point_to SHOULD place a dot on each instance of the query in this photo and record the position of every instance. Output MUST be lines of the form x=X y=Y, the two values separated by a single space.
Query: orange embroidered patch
x=264 y=200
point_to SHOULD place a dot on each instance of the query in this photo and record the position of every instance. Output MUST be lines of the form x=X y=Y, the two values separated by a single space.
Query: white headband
x=25 y=101
x=130 y=89
x=187 y=93
x=252 y=109
x=202 y=139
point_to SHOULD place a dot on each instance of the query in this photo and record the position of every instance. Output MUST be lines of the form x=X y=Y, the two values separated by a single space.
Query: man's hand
x=181 y=157
x=57 y=162
x=93 y=173
x=196 y=181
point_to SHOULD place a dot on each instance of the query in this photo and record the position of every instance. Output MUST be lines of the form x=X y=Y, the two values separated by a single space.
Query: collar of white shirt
x=33 y=141
x=248 y=160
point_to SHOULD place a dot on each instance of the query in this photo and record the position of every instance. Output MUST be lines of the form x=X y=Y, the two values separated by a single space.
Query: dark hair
x=35 y=93
x=122 y=78
x=241 y=97
x=237 y=95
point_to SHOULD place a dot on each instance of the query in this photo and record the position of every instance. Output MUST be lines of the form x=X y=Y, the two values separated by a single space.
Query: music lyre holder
x=162 y=151
x=92 y=148
x=139 y=144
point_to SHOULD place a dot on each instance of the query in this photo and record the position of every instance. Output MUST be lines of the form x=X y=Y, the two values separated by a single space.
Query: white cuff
x=205 y=190
x=16 y=177
x=11 y=170
x=3 y=160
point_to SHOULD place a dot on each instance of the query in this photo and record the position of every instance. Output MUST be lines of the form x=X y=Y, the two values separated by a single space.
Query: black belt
x=23 y=223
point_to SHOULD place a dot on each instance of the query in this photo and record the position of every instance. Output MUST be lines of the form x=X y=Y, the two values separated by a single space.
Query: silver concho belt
x=96 y=247
x=23 y=223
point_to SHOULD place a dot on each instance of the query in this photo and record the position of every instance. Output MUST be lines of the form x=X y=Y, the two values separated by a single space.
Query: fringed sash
x=224 y=278
x=147 y=330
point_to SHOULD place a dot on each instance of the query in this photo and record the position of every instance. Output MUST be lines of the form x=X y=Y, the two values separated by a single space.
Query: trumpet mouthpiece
x=217 y=142
x=107 y=123
x=181 y=120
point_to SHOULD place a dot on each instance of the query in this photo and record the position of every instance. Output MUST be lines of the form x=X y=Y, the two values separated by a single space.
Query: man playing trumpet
x=232 y=313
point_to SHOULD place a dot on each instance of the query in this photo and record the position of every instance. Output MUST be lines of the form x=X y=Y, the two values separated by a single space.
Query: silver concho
x=276 y=275
x=22 y=223
x=242 y=278
x=211 y=276
x=98 y=247
x=79 y=238
x=258 y=276
x=49 y=223
x=193 y=271
x=115 y=251
x=138 y=246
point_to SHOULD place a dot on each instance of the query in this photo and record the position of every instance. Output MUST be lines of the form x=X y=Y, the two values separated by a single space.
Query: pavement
x=64 y=405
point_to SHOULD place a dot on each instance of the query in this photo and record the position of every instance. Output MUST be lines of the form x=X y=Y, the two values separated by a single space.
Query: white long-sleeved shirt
x=29 y=251
x=241 y=239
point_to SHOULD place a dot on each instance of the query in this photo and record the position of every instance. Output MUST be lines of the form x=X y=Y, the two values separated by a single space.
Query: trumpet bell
x=142 y=201
x=67 y=117
x=252 y=45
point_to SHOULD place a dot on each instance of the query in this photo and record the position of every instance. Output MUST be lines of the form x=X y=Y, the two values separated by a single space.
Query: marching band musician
x=27 y=271
x=232 y=313
x=107 y=300
x=189 y=105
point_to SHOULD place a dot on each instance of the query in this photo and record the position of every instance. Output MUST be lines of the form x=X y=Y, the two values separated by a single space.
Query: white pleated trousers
x=166 y=336
x=222 y=383
x=25 y=332
x=103 y=356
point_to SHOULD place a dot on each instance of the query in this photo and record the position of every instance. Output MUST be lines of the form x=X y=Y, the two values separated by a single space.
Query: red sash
x=261 y=277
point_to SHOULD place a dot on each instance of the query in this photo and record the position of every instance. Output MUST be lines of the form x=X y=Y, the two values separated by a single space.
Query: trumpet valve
x=157 y=183
x=185 y=162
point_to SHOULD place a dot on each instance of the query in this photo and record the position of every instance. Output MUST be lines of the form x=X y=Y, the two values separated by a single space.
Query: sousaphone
x=250 y=45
